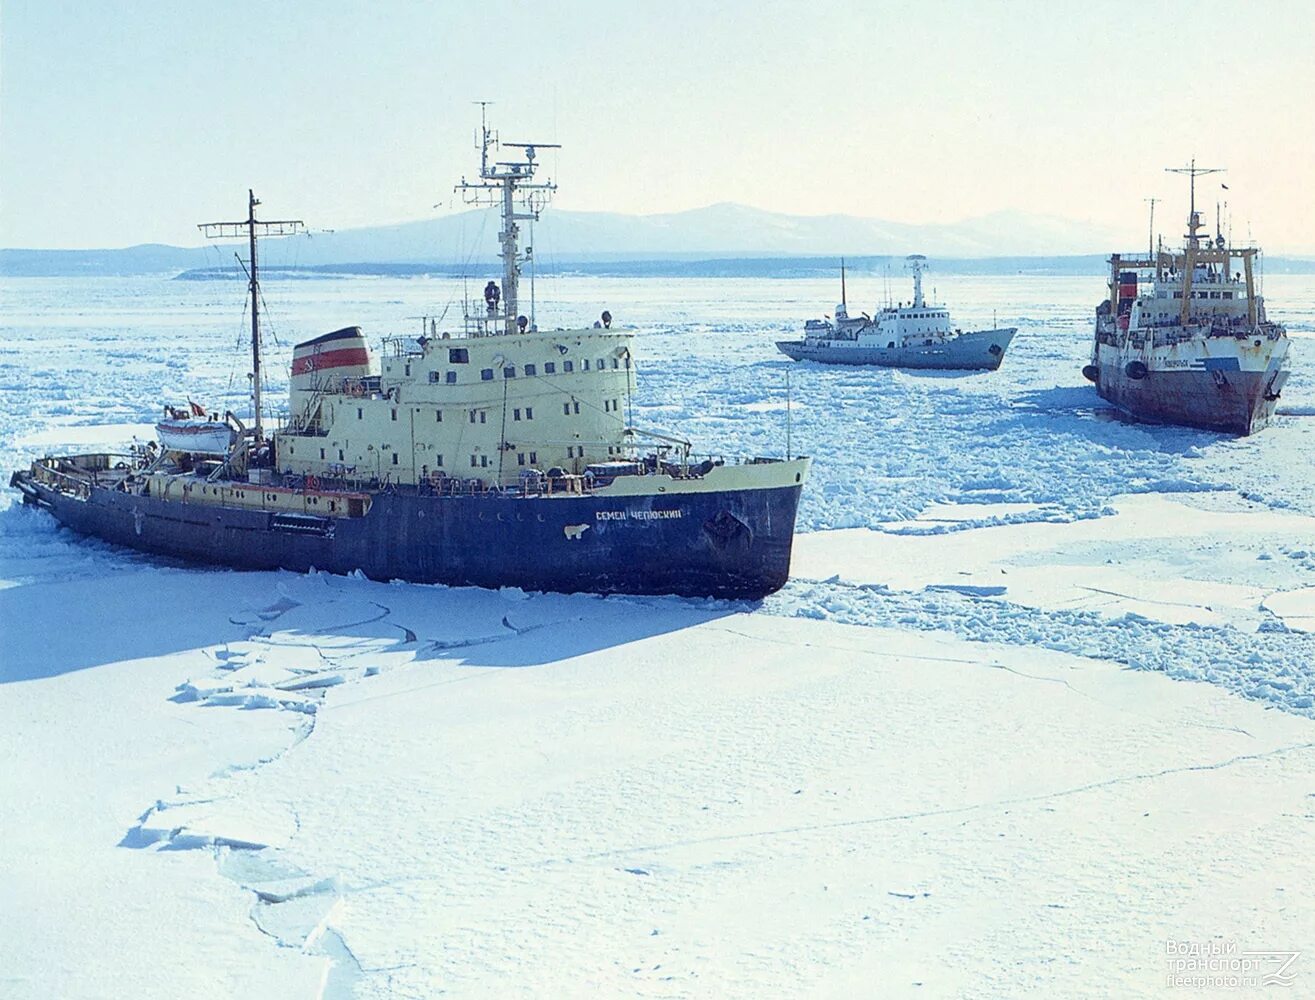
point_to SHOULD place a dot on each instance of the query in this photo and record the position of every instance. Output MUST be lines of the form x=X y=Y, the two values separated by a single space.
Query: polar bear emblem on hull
x=574 y=532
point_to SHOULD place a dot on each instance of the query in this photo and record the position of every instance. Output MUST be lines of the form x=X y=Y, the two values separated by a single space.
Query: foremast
x=253 y=227
x=510 y=186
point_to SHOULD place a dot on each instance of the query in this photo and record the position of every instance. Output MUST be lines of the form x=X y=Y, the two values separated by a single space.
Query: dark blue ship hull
x=733 y=543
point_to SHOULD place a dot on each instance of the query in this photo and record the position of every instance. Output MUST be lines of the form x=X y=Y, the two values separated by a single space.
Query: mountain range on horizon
x=562 y=236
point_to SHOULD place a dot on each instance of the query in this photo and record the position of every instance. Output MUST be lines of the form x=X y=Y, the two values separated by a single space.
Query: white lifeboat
x=195 y=435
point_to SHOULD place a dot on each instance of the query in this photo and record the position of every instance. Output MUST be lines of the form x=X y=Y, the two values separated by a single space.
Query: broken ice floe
x=1295 y=608
x=206 y=823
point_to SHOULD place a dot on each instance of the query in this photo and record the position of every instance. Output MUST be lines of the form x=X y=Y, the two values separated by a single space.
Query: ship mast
x=915 y=263
x=508 y=185
x=1193 y=217
x=1193 y=240
x=253 y=227
x=1150 y=237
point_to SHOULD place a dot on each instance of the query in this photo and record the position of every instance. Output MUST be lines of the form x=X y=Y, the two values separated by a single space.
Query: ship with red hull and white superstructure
x=1183 y=337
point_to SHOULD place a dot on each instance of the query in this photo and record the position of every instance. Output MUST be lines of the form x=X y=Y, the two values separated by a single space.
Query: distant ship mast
x=252 y=227
x=508 y=185
x=1150 y=237
x=1193 y=217
x=1195 y=254
x=916 y=265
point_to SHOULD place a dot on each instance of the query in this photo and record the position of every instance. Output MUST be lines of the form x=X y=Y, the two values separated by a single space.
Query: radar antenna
x=1193 y=217
x=509 y=185
x=251 y=228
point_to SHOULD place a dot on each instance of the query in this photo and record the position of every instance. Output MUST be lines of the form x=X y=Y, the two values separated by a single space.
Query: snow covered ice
x=1037 y=699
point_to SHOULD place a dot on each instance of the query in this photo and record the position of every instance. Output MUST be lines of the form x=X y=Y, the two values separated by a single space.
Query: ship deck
x=77 y=476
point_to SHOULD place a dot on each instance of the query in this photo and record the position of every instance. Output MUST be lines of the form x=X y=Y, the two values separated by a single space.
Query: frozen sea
x=1034 y=710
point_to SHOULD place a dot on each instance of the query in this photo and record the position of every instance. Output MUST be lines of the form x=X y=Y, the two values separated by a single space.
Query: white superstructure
x=1183 y=336
x=913 y=335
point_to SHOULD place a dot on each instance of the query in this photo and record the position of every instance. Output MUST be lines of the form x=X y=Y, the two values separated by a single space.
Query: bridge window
x=438 y=460
x=484 y=461
x=408 y=370
x=509 y=371
x=394 y=458
x=534 y=458
x=340 y=455
x=520 y=458
x=568 y=366
x=530 y=370
x=586 y=365
x=438 y=416
x=360 y=415
x=451 y=378
x=566 y=409
x=321 y=454
x=549 y=367
x=575 y=405
x=529 y=413
x=394 y=411
x=486 y=374
x=616 y=363
x=433 y=377
x=515 y=414
x=458 y=356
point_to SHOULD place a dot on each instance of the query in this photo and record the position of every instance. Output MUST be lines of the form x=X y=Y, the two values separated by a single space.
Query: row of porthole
x=549 y=368
x=501 y=517
x=531 y=370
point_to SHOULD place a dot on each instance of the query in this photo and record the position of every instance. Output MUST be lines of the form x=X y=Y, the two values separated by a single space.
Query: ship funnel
x=337 y=355
x=321 y=364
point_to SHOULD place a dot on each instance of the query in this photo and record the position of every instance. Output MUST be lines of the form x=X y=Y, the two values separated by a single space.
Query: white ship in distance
x=913 y=335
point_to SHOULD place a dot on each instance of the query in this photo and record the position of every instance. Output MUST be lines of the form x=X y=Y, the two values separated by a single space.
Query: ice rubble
x=339 y=787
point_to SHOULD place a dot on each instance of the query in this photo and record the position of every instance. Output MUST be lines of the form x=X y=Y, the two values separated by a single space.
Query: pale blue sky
x=129 y=122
